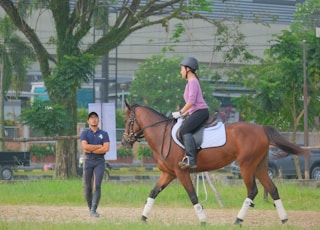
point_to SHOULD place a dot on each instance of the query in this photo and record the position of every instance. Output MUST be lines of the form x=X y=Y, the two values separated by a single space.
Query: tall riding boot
x=95 y=203
x=189 y=160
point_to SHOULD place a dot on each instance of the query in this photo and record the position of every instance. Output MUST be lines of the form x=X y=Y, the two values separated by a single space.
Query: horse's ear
x=127 y=104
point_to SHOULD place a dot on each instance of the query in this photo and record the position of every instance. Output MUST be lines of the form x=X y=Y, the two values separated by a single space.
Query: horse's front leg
x=163 y=181
x=185 y=180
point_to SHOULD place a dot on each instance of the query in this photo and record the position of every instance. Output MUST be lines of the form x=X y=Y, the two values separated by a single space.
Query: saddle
x=198 y=135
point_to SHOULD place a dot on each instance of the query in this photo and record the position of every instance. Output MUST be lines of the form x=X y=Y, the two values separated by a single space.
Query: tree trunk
x=66 y=159
x=295 y=158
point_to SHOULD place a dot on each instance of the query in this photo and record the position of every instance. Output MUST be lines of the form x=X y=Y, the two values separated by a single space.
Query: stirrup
x=185 y=163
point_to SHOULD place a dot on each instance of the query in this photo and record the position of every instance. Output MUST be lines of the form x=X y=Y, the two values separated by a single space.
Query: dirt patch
x=255 y=218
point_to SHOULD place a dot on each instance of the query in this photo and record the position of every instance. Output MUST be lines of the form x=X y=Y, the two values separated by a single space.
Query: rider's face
x=183 y=71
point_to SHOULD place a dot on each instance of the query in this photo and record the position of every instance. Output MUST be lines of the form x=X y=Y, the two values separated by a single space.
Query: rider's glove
x=176 y=115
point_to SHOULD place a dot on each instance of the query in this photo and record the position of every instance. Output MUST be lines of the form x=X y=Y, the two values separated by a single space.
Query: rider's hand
x=177 y=114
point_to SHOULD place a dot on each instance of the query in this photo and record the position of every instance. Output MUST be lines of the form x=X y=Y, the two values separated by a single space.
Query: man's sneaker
x=94 y=213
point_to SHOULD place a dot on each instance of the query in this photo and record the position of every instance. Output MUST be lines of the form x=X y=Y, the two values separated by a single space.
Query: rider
x=195 y=107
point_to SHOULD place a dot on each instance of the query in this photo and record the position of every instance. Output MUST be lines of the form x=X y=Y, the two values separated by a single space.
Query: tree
x=73 y=21
x=16 y=56
x=278 y=79
x=163 y=86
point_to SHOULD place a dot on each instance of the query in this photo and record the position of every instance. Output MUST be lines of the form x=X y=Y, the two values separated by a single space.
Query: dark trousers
x=194 y=121
x=94 y=167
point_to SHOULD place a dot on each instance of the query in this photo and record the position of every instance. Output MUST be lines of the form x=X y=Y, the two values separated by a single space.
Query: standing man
x=95 y=143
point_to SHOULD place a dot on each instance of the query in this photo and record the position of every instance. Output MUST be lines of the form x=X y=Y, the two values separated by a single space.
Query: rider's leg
x=189 y=161
x=189 y=126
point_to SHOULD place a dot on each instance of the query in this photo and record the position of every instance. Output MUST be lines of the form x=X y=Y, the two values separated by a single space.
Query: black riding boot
x=189 y=160
x=95 y=203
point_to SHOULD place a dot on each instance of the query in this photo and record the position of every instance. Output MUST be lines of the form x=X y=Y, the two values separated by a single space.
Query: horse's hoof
x=284 y=221
x=238 y=222
x=144 y=219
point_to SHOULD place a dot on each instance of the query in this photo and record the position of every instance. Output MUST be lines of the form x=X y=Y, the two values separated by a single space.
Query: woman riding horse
x=195 y=107
x=245 y=142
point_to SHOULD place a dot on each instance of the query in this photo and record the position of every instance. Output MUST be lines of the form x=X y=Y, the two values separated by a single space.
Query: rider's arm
x=186 y=108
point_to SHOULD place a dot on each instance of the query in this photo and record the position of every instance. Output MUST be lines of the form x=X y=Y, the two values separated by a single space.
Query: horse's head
x=133 y=129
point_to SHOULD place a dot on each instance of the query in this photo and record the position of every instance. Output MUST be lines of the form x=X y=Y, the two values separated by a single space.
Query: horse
x=245 y=142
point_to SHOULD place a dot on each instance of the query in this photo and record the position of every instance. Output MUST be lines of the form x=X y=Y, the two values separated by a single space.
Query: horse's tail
x=282 y=143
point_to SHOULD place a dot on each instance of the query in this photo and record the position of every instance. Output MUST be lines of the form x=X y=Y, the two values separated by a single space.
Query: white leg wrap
x=244 y=209
x=148 y=206
x=280 y=209
x=200 y=213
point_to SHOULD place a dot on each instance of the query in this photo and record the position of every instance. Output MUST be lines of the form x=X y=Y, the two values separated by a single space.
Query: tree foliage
x=277 y=81
x=38 y=113
x=158 y=84
x=74 y=19
x=16 y=56
x=69 y=76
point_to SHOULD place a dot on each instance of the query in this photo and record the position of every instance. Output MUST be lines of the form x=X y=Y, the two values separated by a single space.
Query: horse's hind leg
x=273 y=191
x=162 y=182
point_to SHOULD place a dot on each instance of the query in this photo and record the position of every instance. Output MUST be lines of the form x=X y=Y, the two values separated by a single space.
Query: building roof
x=271 y=11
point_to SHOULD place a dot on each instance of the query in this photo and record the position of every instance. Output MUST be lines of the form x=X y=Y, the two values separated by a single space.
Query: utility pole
x=101 y=84
x=305 y=108
x=105 y=63
x=2 y=105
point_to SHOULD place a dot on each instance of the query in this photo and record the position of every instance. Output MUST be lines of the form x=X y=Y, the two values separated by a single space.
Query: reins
x=136 y=136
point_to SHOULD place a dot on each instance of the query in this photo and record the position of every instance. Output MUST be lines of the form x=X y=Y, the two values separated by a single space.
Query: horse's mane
x=152 y=110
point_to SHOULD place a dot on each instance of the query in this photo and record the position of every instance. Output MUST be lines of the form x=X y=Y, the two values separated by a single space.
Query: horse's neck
x=155 y=130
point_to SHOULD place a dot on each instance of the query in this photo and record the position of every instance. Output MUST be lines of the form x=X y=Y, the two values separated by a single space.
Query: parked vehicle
x=10 y=161
x=106 y=174
x=285 y=166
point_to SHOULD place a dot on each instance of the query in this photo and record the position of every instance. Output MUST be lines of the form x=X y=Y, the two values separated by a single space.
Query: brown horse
x=247 y=143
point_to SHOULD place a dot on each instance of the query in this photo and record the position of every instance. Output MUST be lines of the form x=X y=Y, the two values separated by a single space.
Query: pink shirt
x=193 y=95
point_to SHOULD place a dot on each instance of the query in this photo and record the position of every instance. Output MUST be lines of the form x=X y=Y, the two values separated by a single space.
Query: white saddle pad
x=212 y=137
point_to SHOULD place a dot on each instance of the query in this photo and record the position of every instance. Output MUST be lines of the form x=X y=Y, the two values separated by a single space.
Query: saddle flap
x=212 y=137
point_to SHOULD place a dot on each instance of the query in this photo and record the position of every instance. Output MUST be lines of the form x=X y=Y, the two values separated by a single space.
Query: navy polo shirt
x=97 y=138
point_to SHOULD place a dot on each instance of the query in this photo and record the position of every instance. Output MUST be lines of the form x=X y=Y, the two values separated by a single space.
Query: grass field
x=132 y=194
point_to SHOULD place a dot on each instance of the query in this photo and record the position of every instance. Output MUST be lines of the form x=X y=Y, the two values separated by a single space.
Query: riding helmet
x=190 y=62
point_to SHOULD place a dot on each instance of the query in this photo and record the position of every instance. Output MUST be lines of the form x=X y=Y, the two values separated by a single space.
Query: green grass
x=295 y=196
x=133 y=193
x=103 y=225
x=133 y=171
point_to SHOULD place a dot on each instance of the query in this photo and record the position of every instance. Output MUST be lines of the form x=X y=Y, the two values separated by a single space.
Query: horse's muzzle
x=126 y=142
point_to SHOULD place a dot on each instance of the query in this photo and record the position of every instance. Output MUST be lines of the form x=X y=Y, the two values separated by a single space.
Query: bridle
x=131 y=137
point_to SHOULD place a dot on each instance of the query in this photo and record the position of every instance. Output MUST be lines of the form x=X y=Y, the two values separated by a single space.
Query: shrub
x=41 y=151
x=10 y=123
x=124 y=152
x=144 y=151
